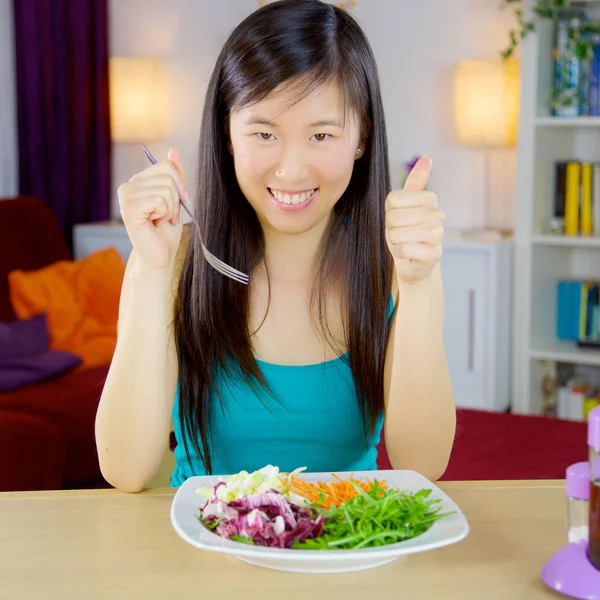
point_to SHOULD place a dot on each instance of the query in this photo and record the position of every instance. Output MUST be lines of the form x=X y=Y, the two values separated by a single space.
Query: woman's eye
x=265 y=136
x=321 y=137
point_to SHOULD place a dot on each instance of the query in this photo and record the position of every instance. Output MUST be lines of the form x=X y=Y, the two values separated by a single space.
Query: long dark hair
x=290 y=40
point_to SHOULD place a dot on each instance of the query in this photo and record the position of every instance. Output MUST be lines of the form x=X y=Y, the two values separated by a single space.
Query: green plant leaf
x=376 y=518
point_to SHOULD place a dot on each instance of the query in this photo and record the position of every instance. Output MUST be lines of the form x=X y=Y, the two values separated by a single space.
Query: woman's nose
x=292 y=165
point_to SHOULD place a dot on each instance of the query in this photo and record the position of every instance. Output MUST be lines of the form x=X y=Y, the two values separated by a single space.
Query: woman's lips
x=292 y=201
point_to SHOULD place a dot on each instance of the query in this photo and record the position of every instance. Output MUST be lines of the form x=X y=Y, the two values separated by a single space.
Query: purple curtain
x=63 y=107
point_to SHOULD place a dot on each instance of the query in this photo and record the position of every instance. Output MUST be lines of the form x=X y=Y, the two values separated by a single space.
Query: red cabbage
x=268 y=519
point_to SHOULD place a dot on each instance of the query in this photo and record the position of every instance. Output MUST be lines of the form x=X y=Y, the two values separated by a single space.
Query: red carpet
x=505 y=446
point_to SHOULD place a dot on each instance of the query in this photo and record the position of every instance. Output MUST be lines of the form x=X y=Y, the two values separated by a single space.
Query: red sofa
x=46 y=429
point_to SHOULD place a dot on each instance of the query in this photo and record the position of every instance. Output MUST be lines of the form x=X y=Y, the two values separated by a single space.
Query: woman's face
x=293 y=161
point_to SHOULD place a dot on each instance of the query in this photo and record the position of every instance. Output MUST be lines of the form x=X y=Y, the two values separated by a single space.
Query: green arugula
x=376 y=518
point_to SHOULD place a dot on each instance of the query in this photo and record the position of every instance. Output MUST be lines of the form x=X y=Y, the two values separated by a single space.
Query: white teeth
x=295 y=199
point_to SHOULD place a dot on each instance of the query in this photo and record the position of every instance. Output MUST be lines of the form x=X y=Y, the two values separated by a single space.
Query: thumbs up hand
x=414 y=225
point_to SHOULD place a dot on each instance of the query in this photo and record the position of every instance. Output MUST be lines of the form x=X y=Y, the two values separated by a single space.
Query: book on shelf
x=577 y=198
x=594 y=87
x=578 y=312
x=576 y=85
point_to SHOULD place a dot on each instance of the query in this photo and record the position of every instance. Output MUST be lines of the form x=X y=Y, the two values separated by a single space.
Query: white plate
x=448 y=530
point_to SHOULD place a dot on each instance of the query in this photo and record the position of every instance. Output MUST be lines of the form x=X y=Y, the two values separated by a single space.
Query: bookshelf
x=567 y=123
x=565 y=352
x=542 y=259
x=565 y=240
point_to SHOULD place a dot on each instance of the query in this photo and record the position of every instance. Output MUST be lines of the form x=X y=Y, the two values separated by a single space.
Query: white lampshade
x=486 y=101
x=138 y=99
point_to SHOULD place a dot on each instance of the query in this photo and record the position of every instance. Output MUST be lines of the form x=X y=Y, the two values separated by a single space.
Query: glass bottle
x=594 y=507
x=578 y=495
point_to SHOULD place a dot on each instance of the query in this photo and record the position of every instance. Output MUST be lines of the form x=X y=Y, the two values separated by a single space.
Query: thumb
x=175 y=158
x=419 y=175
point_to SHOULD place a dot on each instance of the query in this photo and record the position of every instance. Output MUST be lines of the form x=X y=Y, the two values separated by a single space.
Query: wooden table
x=107 y=544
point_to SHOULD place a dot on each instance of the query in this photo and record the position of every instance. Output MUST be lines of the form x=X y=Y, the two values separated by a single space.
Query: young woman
x=340 y=329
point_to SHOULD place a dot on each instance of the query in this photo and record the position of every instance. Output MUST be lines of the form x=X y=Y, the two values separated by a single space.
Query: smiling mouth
x=289 y=199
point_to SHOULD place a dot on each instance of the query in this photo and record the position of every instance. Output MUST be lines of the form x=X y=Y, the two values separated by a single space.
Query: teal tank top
x=314 y=421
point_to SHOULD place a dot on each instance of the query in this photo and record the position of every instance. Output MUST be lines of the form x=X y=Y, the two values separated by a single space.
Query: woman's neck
x=294 y=258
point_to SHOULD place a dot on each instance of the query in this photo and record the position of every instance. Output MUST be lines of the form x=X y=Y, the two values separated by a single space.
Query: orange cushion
x=81 y=300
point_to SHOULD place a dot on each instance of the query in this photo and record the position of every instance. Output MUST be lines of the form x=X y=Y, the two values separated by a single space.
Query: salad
x=280 y=510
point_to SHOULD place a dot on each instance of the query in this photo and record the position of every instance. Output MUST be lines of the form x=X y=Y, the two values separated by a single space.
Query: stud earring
x=358 y=151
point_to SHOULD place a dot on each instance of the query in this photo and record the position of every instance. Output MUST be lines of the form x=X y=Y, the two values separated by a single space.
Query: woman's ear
x=360 y=151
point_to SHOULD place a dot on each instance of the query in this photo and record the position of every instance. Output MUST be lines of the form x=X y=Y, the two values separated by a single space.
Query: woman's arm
x=420 y=416
x=134 y=413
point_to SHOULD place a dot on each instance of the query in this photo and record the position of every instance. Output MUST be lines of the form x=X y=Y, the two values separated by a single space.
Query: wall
x=416 y=43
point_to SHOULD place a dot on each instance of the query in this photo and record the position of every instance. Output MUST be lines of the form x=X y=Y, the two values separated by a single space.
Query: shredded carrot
x=335 y=492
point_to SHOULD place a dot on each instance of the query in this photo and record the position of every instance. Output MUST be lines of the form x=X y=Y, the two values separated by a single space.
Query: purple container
x=571 y=573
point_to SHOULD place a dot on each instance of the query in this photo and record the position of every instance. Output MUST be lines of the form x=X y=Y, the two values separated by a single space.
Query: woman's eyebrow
x=258 y=120
x=327 y=123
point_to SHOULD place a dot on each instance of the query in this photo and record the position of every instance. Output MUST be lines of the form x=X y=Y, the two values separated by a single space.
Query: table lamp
x=138 y=99
x=486 y=104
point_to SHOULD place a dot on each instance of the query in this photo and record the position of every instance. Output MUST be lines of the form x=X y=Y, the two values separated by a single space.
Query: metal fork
x=211 y=259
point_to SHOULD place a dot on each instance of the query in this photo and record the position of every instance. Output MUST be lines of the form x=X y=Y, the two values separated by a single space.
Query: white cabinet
x=91 y=237
x=477 y=293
